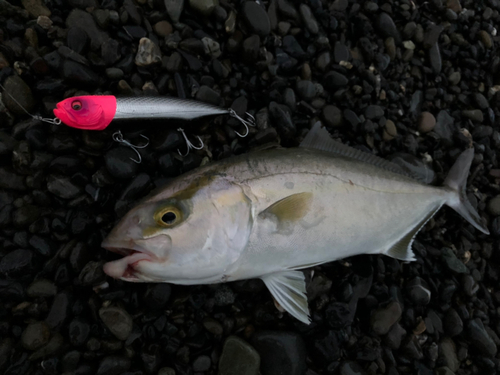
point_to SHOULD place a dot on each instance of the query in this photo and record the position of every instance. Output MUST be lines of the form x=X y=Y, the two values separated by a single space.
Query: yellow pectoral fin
x=291 y=208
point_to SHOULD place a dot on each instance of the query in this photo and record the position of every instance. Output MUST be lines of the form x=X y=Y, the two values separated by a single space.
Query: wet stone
x=481 y=100
x=332 y=116
x=119 y=164
x=435 y=58
x=309 y=19
x=335 y=80
x=494 y=206
x=452 y=262
x=42 y=288
x=475 y=115
x=18 y=89
x=204 y=7
x=238 y=357
x=387 y=27
x=202 y=363
x=384 y=318
x=62 y=187
x=35 y=336
x=256 y=17
x=82 y=19
x=59 y=310
x=163 y=28
x=36 y=8
x=418 y=291
x=79 y=74
x=147 y=53
x=453 y=325
x=113 y=365
x=280 y=352
x=454 y=78
x=16 y=262
x=174 y=9
x=426 y=122
x=480 y=339
x=118 y=321
x=351 y=368
x=306 y=89
x=374 y=112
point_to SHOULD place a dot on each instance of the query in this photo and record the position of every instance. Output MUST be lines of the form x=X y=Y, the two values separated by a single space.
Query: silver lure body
x=157 y=107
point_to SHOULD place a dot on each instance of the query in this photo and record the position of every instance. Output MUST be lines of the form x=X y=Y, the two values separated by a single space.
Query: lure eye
x=168 y=216
x=76 y=105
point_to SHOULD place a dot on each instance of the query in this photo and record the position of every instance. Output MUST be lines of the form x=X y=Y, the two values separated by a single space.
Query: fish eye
x=168 y=216
x=76 y=105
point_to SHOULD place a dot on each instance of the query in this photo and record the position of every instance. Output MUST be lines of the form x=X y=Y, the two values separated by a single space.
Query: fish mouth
x=125 y=267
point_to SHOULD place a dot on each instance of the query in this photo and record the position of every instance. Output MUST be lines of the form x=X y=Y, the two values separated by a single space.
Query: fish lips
x=125 y=267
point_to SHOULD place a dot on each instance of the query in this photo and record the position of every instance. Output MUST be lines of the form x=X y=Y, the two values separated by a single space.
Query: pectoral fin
x=289 y=290
x=291 y=208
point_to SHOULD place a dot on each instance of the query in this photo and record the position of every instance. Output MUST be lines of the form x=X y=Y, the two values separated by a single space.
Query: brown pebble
x=454 y=5
x=163 y=28
x=485 y=38
x=426 y=122
x=35 y=335
x=390 y=131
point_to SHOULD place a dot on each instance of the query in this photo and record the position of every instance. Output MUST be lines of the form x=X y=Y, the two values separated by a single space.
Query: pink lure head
x=91 y=112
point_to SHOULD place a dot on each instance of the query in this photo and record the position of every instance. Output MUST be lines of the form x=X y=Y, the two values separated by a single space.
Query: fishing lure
x=94 y=112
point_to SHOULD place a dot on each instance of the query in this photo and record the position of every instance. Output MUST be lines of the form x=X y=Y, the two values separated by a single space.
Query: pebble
x=473 y=114
x=384 y=318
x=280 y=352
x=42 y=288
x=18 y=89
x=332 y=116
x=118 y=321
x=113 y=365
x=445 y=126
x=435 y=58
x=16 y=262
x=110 y=51
x=202 y=363
x=454 y=5
x=481 y=100
x=335 y=80
x=256 y=17
x=59 y=310
x=62 y=187
x=174 y=9
x=204 y=7
x=306 y=89
x=163 y=28
x=387 y=27
x=480 y=339
x=35 y=335
x=119 y=164
x=426 y=122
x=147 y=53
x=338 y=315
x=78 y=331
x=390 y=131
x=453 y=324
x=494 y=206
x=448 y=353
x=351 y=368
x=454 y=78
x=309 y=19
x=36 y=8
x=418 y=291
x=238 y=357
x=485 y=38
x=452 y=262
x=84 y=20
x=374 y=112
x=79 y=74
x=77 y=40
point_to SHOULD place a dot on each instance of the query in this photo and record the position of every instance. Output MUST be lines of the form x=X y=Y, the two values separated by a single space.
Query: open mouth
x=124 y=268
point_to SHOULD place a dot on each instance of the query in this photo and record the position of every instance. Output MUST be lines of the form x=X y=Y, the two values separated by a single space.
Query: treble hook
x=53 y=121
x=250 y=121
x=189 y=144
x=118 y=137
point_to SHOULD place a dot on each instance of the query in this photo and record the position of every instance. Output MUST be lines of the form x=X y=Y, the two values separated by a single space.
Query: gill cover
x=90 y=112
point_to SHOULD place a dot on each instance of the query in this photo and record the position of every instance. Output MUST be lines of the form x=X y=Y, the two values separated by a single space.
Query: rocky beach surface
x=411 y=81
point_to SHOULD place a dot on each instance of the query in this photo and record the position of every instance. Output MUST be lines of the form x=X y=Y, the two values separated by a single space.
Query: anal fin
x=289 y=290
x=402 y=249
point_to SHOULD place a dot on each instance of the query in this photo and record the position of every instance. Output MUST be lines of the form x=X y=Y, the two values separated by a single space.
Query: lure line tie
x=118 y=137
x=189 y=144
x=249 y=121
x=53 y=121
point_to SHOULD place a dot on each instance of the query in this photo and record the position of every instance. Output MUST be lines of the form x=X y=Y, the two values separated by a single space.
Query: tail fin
x=457 y=181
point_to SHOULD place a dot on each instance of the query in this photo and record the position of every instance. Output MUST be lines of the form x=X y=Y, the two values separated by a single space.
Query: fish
x=270 y=214
x=95 y=112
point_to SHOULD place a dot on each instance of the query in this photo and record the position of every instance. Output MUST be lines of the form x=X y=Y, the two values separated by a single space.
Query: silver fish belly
x=269 y=214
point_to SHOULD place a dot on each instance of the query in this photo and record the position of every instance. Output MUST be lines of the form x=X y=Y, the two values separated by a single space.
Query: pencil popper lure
x=95 y=112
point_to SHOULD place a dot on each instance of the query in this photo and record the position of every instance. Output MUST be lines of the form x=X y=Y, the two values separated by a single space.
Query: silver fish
x=270 y=214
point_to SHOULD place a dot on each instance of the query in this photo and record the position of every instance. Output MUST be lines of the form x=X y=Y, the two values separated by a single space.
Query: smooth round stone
x=79 y=74
x=114 y=73
x=78 y=331
x=387 y=27
x=374 y=112
x=384 y=318
x=113 y=365
x=418 y=291
x=119 y=164
x=494 y=206
x=213 y=326
x=62 y=187
x=390 y=131
x=163 y=28
x=16 y=88
x=481 y=341
x=332 y=116
x=453 y=324
x=306 y=89
x=308 y=18
x=77 y=39
x=485 y=38
x=205 y=7
x=256 y=18
x=36 y=8
x=280 y=352
x=452 y=262
x=202 y=363
x=474 y=114
x=118 y=321
x=481 y=100
x=238 y=357
x=35 y=335
x=426 y=122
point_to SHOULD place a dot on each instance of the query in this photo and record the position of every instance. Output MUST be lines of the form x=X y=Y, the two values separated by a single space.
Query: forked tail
x=457 y=181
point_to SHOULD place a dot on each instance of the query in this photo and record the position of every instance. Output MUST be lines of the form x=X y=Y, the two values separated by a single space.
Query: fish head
x=91 y=112
x=188 y=233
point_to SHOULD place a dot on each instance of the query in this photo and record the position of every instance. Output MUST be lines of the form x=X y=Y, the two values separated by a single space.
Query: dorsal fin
x=319 y=139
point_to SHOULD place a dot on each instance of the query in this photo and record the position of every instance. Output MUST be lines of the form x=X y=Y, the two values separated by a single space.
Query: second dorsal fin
x=319 y=139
